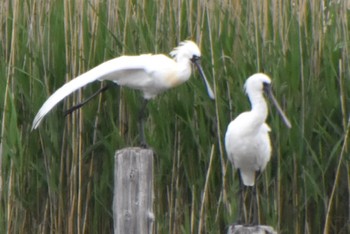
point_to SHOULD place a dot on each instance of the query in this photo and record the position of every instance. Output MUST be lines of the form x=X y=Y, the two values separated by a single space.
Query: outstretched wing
x=117 y=70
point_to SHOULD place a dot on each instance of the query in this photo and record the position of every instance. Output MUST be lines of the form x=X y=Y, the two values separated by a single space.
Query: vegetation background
x=59 y=179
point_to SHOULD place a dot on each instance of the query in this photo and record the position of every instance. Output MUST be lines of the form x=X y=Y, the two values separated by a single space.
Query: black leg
x=255 y=207
x=255 y=201
x=241 y=199
x=72 y=109
x=141 y=124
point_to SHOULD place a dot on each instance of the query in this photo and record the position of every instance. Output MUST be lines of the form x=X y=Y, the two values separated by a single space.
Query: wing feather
x=115 y=70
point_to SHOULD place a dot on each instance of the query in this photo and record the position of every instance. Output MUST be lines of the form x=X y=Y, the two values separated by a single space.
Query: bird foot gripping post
x=133 y=191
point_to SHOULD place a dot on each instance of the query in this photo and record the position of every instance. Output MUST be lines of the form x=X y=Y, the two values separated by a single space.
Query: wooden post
x=133 y=191
x=259 y=229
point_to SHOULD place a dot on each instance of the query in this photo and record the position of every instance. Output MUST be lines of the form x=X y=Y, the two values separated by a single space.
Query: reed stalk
x=59 y=178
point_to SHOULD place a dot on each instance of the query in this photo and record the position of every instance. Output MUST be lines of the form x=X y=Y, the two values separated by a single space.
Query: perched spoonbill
x=151 y=74
x=247 y=140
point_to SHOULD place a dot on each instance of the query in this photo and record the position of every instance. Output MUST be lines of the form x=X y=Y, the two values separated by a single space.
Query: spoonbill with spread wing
x=247 y=140
x=151 y=74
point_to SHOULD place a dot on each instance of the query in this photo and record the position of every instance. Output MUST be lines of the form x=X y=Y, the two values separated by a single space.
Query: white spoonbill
x=151 y=74
x=247 y=140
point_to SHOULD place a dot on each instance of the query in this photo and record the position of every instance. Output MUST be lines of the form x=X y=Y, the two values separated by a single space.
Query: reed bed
x=59 y=179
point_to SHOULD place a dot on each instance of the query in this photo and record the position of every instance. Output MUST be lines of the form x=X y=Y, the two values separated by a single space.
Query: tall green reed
x=59 y=178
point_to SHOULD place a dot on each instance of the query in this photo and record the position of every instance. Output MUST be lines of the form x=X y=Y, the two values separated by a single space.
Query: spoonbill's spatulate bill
x=247 y=140
x=151 y=74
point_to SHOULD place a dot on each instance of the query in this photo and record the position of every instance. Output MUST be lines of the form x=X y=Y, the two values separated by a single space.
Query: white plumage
x=247 y=138
x=151 y=74
x=248 y=151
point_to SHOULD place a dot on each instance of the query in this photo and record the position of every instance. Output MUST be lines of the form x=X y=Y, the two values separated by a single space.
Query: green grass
x=59 y=178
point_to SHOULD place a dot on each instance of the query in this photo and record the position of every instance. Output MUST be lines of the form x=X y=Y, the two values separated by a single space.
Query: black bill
x=196 y=61
x=268 y=91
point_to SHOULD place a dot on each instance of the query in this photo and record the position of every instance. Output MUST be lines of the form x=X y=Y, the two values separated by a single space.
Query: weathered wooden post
x=133 y=191
x=259 y=229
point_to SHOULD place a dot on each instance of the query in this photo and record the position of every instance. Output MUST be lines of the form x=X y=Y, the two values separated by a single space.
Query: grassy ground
x=59 y=179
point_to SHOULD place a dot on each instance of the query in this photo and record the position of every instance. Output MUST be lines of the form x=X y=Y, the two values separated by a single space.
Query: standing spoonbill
x=151 y=74
x=247 y=140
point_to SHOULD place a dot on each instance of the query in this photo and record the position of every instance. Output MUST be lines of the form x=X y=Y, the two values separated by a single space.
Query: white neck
x=259 y=108
x=184 y=69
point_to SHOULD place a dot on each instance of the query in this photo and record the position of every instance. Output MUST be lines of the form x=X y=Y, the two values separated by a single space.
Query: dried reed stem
x=205 y=192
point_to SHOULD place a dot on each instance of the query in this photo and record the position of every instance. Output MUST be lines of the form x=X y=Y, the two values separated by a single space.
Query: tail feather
x=248 y=177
